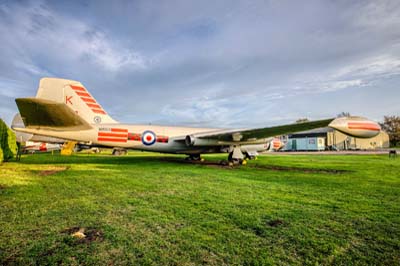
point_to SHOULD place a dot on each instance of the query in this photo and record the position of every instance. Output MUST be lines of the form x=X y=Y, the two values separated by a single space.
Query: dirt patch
x=53 y=171
x=84 y=235
x=213 y=164
x=276 y=223
x=2 y=187
x=222 y=166
x=10 y=260
x=300 y=169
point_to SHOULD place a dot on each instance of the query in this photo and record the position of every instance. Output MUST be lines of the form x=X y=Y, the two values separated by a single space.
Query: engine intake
x=189 y=140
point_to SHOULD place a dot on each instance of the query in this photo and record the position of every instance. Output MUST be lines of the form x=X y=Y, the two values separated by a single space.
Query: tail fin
x=76 y=97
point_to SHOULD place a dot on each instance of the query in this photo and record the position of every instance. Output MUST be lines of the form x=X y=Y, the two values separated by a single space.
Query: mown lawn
x=150 y=209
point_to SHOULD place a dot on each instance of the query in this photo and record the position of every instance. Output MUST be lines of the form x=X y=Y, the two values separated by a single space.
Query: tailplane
x=74 y=95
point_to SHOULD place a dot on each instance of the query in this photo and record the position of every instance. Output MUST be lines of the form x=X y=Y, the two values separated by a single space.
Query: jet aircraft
x=32 y=147
x=64 y=109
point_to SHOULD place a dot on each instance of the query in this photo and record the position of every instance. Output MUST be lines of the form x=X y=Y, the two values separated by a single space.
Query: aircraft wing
x=352 y=126
x=243 y=135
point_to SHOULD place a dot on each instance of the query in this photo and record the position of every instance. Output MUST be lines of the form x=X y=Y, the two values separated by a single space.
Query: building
x=329 y=139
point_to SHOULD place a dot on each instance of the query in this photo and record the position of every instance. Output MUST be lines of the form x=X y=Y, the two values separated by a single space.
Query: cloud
x=97 y=47
x=64 y=38
x=378 y=67
x=12 y=88
x=209 y=63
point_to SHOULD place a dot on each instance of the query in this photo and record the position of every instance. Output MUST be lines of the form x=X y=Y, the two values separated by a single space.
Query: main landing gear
x=195 y=158
x=235 y=161
x=119 y=151
x=236 y=157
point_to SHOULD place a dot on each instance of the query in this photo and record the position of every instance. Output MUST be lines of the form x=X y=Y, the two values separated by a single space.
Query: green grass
x=288 y=210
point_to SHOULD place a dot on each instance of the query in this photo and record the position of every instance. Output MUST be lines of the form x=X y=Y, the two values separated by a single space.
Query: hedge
x=8 y=142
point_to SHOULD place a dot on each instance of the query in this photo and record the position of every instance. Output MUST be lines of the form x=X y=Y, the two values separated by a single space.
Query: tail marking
x=88 y=99
x=111 y=139
x=113 y=135
x=77 y=88
x=84 y=94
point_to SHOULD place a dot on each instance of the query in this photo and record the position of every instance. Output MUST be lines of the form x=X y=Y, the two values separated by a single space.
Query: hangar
x=329 y=139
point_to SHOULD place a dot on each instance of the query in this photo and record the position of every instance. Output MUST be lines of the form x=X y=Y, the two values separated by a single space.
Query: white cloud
x=63 y=37
x=102 y=51
x=378 y=15
x=339 y=85
x=11 y=88
x=31 y=68
x=371 y=68
x=206 y=63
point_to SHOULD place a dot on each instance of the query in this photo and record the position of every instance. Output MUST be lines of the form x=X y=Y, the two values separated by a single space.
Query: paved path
x=369 y=152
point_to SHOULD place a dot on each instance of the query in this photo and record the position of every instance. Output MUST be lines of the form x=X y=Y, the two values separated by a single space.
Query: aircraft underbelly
x=174 y=147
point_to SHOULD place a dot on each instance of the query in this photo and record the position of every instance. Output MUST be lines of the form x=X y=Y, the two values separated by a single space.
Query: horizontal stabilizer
x=46 y=114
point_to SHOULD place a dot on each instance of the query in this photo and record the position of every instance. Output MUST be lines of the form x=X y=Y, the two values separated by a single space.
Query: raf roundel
x=97 y=119
x=148 y=138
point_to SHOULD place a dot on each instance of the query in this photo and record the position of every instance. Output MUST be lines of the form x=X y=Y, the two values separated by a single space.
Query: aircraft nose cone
x=358 y=127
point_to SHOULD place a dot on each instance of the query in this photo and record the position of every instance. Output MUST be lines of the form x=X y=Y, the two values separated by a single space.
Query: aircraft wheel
x=249 y=157
x=236 y=162
x=224 y=162
x=118 y=152
x=194 y=157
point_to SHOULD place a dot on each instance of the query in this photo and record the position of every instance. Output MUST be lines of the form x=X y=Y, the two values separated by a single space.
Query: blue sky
x=208 y=63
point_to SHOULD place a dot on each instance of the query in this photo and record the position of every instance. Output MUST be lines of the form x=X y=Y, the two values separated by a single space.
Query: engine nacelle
x=189 y=140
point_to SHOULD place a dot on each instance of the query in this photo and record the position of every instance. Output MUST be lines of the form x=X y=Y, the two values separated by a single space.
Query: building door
x=294 y=145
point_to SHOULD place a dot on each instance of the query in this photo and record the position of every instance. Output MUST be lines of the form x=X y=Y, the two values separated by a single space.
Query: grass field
x=150 y=209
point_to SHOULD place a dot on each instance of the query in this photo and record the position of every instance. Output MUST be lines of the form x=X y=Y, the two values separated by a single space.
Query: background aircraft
x=64 y=109
x=32 y=147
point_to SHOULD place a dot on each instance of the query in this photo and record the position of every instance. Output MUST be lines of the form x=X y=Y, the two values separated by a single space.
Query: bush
x=12 y=142
x=1 y=155
x=8 y=142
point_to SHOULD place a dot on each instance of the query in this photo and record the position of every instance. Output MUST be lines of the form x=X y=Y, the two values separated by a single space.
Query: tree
x=344 y=114
x=391 y=124
x=302 y=120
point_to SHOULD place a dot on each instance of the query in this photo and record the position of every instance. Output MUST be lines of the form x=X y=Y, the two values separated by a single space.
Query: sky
x=208 y=63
